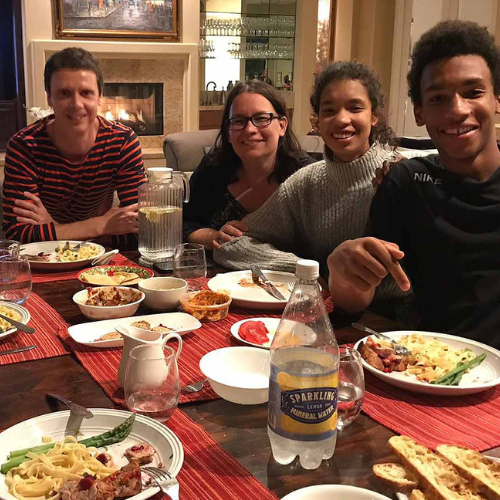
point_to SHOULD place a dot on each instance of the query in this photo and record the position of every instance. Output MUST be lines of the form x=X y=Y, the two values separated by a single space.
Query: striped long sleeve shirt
x=70 y=192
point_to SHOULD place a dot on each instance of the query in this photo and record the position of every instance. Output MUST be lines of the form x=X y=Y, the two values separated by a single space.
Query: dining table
x=240 y=430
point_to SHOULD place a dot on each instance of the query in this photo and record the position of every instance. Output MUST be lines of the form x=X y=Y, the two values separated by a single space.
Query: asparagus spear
x=115 y=435
x=449 y=377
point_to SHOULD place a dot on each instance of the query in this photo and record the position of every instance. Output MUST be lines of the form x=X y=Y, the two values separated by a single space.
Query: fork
x=399 y=349
x=167 y=483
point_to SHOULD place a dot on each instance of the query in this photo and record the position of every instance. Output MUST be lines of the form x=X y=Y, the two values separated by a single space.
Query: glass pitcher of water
x=160 y=213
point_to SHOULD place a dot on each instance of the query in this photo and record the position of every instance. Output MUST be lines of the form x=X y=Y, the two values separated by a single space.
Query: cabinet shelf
x=289 y=37
x=247 y=14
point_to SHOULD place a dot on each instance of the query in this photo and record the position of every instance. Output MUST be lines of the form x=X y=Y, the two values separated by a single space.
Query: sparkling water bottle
x=304 y=376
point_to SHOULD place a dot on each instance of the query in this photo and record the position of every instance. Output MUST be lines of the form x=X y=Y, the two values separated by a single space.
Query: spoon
x=77 y=409
x=195 y=386
x=18 y=324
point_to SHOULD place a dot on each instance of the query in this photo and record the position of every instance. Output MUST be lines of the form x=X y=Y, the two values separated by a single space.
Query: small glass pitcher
x=152 y=385
x=15 y=273
x=160 y=213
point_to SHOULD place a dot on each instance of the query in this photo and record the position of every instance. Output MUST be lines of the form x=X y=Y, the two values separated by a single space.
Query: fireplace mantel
x=40 y=50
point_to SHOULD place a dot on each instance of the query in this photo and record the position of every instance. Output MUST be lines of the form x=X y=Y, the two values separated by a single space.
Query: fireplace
x=137 y=105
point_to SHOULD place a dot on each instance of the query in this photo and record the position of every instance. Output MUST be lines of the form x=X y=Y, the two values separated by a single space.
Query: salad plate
x=480 y=378
x=89 y=333
x=238 y=331
x=169 y=452
x=50 y=255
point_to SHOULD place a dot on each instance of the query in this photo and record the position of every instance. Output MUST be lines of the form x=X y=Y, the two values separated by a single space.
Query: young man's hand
x=31 y=211
x=120 y=220
x=381 y=172
x=363 y=263
x=230 y=230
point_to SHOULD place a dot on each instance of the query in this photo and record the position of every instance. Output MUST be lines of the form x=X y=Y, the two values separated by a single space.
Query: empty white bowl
x=238 y=374
x=162 y=293
x=107 y=312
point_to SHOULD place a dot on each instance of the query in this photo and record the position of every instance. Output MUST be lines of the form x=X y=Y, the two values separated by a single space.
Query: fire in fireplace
x=137 y=105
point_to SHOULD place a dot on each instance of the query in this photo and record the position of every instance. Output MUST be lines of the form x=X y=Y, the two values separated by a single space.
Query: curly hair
x=72 y=58
x=355 y=70
x=450 y=39
x=289 y=153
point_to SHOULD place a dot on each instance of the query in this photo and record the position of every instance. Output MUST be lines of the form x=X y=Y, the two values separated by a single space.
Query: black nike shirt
x=448 y=227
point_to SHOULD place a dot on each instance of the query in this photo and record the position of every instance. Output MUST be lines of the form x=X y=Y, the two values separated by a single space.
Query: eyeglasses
x=259 y=120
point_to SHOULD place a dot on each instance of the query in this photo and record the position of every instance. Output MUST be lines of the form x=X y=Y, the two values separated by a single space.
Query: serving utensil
x=399 y=349
x=77 y=409
x=167 y=483
x=18 y=349
x=259 y=278
x=20 y=326
x=104 y=258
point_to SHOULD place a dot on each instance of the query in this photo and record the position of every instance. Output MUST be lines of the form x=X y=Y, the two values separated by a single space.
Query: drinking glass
x=9 y=248
x=351 y=386
x=15 y=278
x=190 y=264
x=152 y=385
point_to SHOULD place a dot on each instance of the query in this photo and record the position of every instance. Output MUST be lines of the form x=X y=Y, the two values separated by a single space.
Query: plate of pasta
x=433 y=356
x=43 y=476
x=14 y=311
x=61 y=255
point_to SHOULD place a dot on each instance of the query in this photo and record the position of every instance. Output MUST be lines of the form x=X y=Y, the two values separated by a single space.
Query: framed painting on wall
x=154 y=19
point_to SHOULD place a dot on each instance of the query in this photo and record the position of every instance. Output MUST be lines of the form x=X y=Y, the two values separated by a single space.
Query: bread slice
x=418 y=495
x=478 y=470
x=397 y=476
x=440 y=480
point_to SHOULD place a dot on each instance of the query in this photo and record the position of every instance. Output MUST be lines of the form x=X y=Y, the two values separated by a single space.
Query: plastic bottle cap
x=307 y=269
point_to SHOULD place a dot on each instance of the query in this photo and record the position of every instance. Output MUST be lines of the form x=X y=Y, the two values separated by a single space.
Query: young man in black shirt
x=435 y=221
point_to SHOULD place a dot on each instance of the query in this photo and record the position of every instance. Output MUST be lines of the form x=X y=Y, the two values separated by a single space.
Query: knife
x=18 y=324
x=18 y=349
x=257 y=275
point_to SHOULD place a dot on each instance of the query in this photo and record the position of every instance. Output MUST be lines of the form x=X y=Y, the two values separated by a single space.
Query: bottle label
x=303 y=407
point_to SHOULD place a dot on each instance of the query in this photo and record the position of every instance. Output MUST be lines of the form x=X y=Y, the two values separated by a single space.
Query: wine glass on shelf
x=190 y=264
x=15 y=278
x=351 y=390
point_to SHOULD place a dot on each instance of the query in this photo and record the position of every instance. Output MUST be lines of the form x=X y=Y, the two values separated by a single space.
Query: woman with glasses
x=254 y=152
x=327 y=203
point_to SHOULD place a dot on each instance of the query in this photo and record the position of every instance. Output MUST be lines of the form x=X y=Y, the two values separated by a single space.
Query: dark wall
x=7 y=50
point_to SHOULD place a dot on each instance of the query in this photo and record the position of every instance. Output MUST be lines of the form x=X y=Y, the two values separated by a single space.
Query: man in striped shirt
x=62 y=171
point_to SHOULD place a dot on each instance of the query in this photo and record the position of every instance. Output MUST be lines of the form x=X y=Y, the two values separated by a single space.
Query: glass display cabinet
x=242 y=40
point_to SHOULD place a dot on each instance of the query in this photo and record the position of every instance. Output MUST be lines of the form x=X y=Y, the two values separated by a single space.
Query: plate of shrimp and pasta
x=61 y=255
x=438 y=363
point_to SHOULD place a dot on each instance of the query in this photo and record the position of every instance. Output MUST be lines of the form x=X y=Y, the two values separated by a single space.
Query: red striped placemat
x=102 y=364
x=472 y=421
x=46 y=276
x=47 y=322
x=208 y=472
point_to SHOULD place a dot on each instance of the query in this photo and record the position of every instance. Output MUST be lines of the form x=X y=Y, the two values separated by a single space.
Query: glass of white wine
x=351 y=386
x=190 y=264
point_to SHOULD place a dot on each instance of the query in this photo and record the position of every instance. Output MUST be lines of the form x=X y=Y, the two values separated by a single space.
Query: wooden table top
x=240 y=430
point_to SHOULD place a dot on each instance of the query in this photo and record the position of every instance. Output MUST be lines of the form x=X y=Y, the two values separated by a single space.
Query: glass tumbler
x=15 y=278
x=190 y=264
x=152 y=385
x=351 y=386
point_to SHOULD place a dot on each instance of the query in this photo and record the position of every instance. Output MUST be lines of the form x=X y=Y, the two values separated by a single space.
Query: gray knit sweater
x=308 y=216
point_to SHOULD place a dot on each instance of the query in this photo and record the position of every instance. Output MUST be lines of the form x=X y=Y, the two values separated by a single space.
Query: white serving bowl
x=162 y=293
x=238 y=374
x=107 y=312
